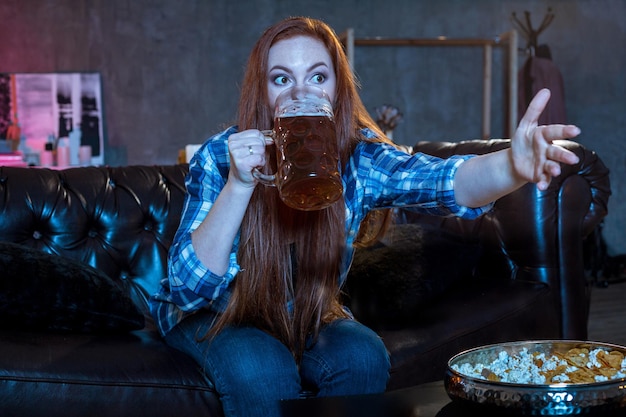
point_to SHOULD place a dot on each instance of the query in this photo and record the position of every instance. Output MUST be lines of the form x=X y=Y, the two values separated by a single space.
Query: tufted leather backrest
x=120 y=220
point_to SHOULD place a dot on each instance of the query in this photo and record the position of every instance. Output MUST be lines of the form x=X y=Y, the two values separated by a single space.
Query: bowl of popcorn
x=543 y=377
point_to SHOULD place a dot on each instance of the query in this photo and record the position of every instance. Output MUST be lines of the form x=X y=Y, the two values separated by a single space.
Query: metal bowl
x=534 y=399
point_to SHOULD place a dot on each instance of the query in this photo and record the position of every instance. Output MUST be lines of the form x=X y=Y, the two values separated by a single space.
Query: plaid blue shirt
x=376 y=176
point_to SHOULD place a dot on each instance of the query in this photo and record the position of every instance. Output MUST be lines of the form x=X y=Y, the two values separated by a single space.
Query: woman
x=253 y=291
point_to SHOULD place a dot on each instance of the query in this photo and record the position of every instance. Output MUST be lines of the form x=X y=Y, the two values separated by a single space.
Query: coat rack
x=539 y=71
x=530 y=34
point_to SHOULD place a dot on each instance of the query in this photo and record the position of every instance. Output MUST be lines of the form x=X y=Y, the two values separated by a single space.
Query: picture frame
x=51 y=105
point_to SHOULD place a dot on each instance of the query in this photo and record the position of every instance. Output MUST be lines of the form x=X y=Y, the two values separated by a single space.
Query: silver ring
x=250 y=150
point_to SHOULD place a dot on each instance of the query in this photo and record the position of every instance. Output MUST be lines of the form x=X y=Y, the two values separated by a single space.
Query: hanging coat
x=537 y=73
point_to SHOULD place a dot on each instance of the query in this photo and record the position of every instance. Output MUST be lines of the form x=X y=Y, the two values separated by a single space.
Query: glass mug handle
x=265 y=179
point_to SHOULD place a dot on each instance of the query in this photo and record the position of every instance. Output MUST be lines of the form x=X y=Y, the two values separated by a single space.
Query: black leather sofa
x=95 y=239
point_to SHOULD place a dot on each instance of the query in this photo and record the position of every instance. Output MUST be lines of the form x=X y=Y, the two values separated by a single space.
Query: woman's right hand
x=247 y=151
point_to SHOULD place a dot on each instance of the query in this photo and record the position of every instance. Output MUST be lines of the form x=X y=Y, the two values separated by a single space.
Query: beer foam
x=305 y=113
x=311 y=107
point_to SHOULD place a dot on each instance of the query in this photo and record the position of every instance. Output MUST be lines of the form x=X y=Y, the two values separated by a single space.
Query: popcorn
x=576 y=366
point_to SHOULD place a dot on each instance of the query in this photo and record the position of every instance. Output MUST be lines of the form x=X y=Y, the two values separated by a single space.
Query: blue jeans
x=252 y=371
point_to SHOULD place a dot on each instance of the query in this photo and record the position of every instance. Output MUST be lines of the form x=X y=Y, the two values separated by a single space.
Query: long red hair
x=290 y=256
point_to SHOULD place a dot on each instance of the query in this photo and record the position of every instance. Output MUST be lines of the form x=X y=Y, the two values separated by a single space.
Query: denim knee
x=348 y=358
x=250 y=370
x=249 y=355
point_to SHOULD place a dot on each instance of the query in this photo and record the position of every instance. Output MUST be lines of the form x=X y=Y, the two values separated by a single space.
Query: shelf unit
x=508 y=40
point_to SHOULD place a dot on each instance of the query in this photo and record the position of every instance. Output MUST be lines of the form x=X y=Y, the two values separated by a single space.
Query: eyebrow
x=311 y=68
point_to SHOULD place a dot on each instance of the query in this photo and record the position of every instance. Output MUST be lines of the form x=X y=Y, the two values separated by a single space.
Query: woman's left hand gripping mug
x=307 y=173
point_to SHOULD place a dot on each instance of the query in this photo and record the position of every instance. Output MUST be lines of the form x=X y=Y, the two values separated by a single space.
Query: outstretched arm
x=532 y=157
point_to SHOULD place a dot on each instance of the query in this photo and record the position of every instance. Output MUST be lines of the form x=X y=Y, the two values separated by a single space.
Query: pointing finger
x=535 y=108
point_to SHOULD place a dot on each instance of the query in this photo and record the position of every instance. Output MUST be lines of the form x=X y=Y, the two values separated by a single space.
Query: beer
x=306 y=150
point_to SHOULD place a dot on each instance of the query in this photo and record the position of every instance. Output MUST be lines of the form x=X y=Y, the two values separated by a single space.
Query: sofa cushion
x=391 y=282
x=41 y=291
x=45 y=374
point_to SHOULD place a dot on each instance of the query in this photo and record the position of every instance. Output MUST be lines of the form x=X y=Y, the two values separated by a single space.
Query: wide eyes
x=282 y=80
x=318 y=78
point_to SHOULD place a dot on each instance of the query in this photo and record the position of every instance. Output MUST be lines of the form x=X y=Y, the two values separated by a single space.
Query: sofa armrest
x=539 y=235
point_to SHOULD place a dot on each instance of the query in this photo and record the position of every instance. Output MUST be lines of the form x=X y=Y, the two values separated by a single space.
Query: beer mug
x=307 y=154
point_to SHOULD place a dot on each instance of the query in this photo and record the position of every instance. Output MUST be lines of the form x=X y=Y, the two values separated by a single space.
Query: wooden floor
x=607 y=316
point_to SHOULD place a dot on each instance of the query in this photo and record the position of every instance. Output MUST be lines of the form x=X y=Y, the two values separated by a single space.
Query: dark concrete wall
x=171 y=69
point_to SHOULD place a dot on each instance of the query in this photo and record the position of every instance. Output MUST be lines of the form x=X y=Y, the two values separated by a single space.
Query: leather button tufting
x=37 y=235
x=92 y=233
